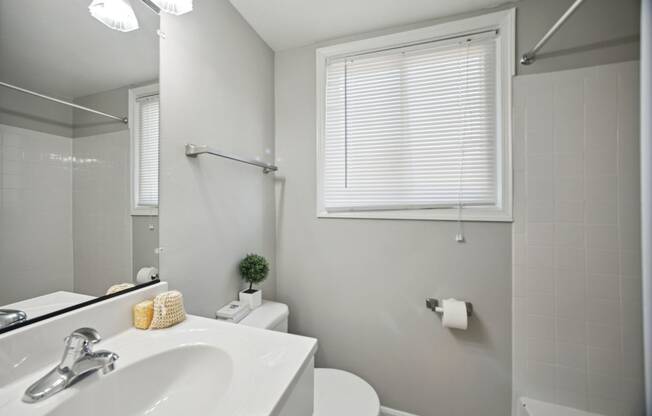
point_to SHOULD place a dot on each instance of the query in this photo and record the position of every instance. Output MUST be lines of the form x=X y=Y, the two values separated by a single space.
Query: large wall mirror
x=78 y=183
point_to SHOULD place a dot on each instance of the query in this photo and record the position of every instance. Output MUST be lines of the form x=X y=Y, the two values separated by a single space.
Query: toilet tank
x=269 y=315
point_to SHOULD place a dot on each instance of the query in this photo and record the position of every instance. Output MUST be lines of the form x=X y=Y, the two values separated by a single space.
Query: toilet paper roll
x=454 y=315
x=146 y=274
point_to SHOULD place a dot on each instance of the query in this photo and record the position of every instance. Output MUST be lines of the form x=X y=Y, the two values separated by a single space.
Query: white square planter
x=254 y=299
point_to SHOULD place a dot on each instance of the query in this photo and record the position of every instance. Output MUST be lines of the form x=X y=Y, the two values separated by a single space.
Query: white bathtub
x=531 y=407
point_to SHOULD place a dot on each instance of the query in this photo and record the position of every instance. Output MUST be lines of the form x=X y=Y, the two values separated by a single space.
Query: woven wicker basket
x=119 y=288
x=168 y=310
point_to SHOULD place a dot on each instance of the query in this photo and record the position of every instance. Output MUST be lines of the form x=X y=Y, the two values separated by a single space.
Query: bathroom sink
x=172 y=382
x=199 y=367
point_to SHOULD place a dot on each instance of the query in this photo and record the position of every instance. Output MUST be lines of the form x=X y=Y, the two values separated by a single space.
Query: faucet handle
x=10 y=317
x=78 y=344
x=89 y=335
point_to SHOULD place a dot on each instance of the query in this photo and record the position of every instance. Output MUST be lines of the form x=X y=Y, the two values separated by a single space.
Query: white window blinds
x=148 y=147
x=412 y=127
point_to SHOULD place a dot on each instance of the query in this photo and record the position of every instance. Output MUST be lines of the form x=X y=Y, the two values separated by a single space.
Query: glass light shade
x=175 y=7
x=116 y=14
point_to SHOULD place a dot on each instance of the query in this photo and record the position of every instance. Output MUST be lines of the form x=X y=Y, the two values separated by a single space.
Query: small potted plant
x=254 y=270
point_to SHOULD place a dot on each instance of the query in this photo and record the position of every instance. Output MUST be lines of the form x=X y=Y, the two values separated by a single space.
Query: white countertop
x=201 y=366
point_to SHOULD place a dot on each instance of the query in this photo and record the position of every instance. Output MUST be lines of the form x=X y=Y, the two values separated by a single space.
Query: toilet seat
x=339 y=393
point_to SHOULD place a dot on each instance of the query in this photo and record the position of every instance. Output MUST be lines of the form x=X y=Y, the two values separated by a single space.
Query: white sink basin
x=200 y=367
x=173 y=382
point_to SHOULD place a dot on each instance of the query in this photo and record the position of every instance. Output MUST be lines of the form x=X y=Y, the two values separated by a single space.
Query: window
x=415 y=125
x=144 y=125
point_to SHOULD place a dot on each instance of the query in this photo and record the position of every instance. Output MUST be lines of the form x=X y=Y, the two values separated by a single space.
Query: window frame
x=134 y=95
x=504 y=23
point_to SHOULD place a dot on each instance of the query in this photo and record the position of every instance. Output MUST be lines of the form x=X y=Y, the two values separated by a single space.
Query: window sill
x=144 y=212
x=469 y=214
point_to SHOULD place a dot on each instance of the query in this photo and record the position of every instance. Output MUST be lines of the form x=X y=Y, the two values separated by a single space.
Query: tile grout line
x=555 y=289
x=525 y=189
x=618 y=226
x=584 y=244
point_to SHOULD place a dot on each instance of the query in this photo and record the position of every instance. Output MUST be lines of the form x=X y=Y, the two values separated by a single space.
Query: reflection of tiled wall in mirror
x=101 y=216
x=36 y=248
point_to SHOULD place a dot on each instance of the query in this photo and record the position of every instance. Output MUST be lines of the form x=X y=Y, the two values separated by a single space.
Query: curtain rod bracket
x=528 y=58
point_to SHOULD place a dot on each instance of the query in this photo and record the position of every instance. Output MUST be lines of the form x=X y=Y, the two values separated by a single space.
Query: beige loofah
x=119 y=288
x=168 y=310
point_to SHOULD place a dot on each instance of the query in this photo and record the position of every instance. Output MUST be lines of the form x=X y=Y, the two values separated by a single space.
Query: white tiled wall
x=64 y=213
x=35 y=237
x=576 y=243
x=101 y=215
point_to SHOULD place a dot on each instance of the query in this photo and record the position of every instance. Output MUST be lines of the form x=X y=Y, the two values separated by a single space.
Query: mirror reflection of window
x=145 y=105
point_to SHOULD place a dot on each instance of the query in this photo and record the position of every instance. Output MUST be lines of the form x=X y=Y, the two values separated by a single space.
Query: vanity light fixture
x=175 y=7
x=116 y=14
x=119 y=15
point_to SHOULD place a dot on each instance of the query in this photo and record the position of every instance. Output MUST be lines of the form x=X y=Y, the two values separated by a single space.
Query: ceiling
x=55 y=47
x=286 y=24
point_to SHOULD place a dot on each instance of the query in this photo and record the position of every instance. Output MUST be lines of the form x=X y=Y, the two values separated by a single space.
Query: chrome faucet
x=9 y=317
x=78 y=361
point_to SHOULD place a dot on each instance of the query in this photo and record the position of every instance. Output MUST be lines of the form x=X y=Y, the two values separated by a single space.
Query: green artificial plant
x=253 y=269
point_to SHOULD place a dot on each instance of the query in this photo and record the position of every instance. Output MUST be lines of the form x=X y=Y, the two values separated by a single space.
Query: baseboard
x=387 y=411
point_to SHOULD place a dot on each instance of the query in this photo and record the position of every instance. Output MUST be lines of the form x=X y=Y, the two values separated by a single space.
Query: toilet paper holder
x=433 y=304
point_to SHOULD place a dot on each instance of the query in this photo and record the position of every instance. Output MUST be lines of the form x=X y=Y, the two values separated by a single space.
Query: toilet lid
x=338 y=393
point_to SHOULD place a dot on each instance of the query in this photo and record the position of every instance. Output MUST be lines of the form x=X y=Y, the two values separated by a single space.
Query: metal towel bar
x=193 y=150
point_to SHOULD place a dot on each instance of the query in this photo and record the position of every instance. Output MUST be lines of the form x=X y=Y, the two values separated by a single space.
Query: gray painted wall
x=144 y=242
x=33 y=113
x=600 y=32
x=359 y=285
x=115 y=102
x=217 y=88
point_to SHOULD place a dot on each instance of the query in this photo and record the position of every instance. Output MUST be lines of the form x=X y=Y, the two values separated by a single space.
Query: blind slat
x=148 y=151
x=412 y=127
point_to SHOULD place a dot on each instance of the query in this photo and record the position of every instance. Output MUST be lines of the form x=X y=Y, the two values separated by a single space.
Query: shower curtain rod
x=56 y=100
x=530 y=56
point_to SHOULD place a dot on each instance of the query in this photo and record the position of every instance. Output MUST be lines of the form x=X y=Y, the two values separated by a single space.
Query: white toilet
x=337 y=392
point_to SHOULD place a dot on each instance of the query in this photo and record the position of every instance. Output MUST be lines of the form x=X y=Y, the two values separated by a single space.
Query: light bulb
x=116 y=14
x=175 y=7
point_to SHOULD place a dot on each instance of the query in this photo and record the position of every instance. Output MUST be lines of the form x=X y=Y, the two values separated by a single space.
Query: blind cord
x=459 y=237
x=346 y=125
